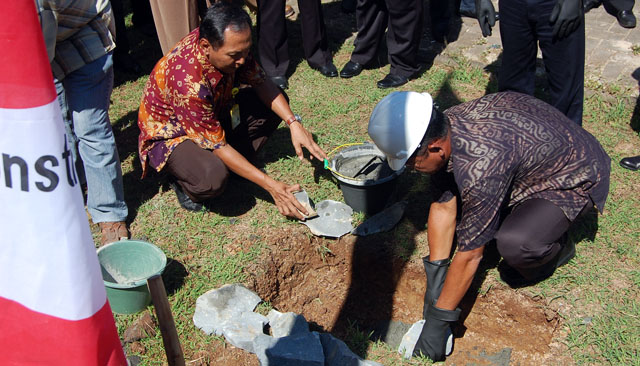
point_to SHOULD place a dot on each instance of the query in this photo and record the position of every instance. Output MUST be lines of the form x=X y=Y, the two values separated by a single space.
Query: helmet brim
x=396 y=164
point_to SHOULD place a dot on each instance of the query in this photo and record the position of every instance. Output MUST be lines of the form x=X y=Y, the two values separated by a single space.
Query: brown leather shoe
x=113 y=231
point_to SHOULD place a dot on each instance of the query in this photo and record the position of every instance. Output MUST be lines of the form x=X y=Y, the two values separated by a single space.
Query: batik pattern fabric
x=185 y=98
x=507 y=148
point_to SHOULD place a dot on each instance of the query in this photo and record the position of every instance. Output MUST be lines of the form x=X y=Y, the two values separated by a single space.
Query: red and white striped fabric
x=53 y=305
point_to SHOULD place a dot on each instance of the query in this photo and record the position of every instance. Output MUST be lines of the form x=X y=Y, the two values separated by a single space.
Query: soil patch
x=357 y=281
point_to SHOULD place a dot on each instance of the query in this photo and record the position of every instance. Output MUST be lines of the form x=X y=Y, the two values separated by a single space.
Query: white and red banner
x=53 y=305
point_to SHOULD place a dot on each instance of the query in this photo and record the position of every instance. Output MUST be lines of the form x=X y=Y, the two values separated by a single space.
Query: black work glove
x=486 y=14
x=436 y=333
x=566 y=16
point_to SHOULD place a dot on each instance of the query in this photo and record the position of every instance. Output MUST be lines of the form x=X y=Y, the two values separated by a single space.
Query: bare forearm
x=459 y=277
x=441 y=227
x=273 y=98
x=238 y=164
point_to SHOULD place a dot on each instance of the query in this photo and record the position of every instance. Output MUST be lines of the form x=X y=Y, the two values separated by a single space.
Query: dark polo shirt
x=509 y=147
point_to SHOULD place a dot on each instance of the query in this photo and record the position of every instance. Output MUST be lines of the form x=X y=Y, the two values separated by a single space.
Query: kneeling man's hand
x=301 y=137
x=284 y=199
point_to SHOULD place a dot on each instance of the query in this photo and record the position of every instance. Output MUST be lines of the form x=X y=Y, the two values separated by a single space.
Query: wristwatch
x=294 y=118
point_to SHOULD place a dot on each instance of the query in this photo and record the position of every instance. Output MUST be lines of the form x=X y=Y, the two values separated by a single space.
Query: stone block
x=409 y=340
x=242 y=330
x=285 y=324
x=217 y=306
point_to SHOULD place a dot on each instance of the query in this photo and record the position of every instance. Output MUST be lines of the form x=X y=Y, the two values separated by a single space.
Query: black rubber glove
x=436 y=273
x=435 y=333
x=566 y=16
x=486 y=14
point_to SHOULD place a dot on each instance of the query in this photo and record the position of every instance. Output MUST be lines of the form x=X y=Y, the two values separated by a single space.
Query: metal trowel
x=307 y=203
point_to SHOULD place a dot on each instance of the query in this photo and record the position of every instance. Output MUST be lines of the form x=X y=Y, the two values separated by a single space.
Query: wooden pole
x=165 y=319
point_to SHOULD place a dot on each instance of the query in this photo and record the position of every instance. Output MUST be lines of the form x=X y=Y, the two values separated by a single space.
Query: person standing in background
x=80 y=42
x=403 y=22
x=273 y=45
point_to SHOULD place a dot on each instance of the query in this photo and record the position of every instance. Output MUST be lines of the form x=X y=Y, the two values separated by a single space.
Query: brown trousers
x=200 y=173
x=174 y=19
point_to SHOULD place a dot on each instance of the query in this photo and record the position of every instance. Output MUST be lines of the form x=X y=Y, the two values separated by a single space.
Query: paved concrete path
x=609 y=48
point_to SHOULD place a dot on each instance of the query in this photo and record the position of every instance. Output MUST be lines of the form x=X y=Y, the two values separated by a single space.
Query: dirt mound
x=357 y=281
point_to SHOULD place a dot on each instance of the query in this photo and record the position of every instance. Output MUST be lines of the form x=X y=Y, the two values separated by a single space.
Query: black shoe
x=329 y=70
x=626 y=19
x=184 y=200
x=392 y=81
x=632 y=163
x=350 y=70
x=591 y=4
x=280 y=81
x=567 y=252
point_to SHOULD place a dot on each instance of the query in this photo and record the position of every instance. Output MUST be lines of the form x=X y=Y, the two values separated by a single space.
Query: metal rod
x=366 y=165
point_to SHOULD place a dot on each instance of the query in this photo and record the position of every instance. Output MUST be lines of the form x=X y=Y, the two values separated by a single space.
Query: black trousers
x=403 y=21
x=621 y=4
x=200 y=173
x=524 y=23
x=273 y=45
x=530 y=236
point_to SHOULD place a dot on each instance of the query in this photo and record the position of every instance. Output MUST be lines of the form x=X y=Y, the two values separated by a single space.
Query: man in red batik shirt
x=208 y=107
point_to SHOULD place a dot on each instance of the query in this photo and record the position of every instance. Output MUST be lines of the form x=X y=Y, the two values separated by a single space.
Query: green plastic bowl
x=126 y=265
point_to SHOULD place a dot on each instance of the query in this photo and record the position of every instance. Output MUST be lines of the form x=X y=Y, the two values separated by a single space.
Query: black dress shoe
x=626 y=19
x=632 y=163
x=184 y=200
x=350 y=70
x=591 y=4
x=280 y=81
x=392 y=81
x=329 y=70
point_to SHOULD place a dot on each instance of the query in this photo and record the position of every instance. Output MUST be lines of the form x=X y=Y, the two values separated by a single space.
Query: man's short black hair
x=438 y=128
x=218 y=18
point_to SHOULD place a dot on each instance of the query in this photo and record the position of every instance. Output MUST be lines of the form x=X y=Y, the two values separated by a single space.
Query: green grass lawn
x=599 y=289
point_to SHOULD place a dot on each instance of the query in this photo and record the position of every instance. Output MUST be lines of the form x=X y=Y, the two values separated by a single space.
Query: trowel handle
x=165 y=319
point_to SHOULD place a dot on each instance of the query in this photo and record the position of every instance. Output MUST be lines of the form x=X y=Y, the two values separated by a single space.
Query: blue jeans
x=84 y=100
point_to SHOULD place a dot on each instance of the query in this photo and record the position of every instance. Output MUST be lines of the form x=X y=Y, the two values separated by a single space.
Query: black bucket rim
x=370 y=147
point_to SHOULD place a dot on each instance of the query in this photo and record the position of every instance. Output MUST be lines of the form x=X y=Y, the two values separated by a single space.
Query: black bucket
x=365 y=178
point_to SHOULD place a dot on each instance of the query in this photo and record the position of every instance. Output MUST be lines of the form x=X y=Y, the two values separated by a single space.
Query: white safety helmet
x=398 y=124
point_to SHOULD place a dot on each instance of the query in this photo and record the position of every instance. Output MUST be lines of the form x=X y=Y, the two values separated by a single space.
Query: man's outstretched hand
x=300 y=138
x=566 y=16
x=284 y=199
